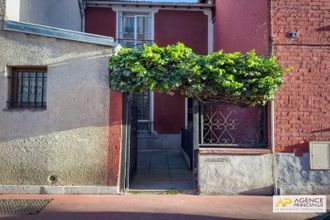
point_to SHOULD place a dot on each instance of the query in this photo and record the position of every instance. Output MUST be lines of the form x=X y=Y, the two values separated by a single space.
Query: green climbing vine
x=225 y=77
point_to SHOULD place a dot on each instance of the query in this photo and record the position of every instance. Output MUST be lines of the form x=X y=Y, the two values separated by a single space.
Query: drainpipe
x=277 y=190
x=82 y=14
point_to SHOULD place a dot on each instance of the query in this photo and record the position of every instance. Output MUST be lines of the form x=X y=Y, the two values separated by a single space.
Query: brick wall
x=302 y=105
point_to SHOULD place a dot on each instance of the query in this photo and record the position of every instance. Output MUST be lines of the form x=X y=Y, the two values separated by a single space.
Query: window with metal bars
x=28 y=88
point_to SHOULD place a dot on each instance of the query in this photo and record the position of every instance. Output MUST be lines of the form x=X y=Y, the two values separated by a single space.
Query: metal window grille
x=226 y=125
x=142 y=103
x=28 y=88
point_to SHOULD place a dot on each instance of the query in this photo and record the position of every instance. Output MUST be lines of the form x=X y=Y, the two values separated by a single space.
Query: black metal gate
x=130 y=139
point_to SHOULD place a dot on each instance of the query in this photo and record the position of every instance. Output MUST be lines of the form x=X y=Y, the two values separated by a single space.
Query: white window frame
x=119 y=30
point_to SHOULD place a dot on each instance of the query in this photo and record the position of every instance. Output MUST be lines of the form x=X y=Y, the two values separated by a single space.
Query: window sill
x=235 y=151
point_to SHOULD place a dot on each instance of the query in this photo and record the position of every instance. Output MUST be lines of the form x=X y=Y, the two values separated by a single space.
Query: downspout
x=277 y=190
x=82 y=15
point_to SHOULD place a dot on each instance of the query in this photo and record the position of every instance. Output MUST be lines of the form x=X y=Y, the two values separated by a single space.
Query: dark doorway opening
x=150 y=164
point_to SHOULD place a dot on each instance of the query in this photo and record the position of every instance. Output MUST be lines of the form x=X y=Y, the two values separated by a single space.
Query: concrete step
x=159 y=141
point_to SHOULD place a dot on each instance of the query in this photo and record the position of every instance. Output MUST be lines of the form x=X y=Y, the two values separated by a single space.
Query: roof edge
x=150 y=4
x=59 y=33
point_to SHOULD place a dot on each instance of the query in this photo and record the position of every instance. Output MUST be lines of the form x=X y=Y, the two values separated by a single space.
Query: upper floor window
x=134 y=28
x=28 y=88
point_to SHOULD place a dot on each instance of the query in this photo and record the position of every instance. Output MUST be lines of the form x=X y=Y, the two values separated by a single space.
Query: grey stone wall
x=235 y=174
x=70 y=138
x=259 y=174
x=295 y=177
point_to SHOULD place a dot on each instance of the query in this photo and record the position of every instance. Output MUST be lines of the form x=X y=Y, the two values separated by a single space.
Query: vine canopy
x=224 y=77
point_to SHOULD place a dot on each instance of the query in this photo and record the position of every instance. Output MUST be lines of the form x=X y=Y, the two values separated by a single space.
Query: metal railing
x=130 y=43
x=225 y=125
x=28 y=88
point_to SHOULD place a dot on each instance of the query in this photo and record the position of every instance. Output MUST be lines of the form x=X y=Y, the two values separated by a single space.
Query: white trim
x=152 y=23
x=134 y=9
x=117 y=23
x=150 y=8
x=151 y=14
x=135 y=27
x=210 y=31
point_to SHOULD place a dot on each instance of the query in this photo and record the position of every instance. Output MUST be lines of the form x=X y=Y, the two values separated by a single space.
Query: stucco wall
x=70 y=138
x=56 y=13
x=295 y=177
x=235 y=174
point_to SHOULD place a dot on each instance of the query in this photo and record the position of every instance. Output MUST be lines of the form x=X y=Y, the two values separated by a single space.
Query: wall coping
x=235 y=151
x=48 y=31
x=107 y=3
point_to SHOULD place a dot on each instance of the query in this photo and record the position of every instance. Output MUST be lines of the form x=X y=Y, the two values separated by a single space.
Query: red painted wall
x=169 y=113
x=242 y=25
x=100 y=21
x=172 y=26
x=114 y=150
x=302 y=104
x=188 y=27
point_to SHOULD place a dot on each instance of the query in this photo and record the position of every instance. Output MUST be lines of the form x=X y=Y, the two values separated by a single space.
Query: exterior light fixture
x=293 y=35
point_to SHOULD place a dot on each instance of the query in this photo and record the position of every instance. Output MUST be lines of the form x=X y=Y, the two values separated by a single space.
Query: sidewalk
x=154 y=207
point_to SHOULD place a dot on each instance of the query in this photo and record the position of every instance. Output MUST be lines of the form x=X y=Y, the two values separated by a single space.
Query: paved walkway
x=162 y=170
x=156 y=207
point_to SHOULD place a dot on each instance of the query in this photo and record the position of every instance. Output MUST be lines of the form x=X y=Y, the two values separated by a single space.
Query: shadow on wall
x=303 y=147
x=291 y=148
x=77 y=89
x=267 y=190
x=325 y=28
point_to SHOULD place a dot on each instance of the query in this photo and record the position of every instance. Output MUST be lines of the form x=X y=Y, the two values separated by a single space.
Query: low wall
x=295 y=177
x=235 y=174
x=69 y=139
x=260 y=174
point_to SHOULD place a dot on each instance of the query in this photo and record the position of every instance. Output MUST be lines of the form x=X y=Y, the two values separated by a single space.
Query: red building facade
x=188 y=23
x=299 y=114
x=189 y=26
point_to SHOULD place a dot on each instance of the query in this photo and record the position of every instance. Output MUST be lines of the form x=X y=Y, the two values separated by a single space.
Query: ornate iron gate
x=141 y=102
x=130 y=138
x=229 y=125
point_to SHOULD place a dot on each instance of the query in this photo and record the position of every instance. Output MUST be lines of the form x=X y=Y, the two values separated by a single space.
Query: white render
x=56 y=13
x=235 y=174
x=70 y=138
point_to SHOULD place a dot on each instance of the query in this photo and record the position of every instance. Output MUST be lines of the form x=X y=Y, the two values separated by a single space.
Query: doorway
x=149 y=166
